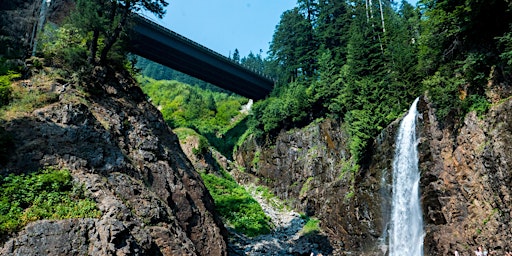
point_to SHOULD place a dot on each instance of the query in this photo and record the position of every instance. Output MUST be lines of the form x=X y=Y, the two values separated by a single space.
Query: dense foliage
x=236 y=205
x=49 y=194
x=160 y=72
x=215 y=115
x=364 y=62
x=7 y=75
x=94 y=34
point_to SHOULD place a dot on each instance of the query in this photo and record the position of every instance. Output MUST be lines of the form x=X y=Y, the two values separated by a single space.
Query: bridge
x=166 y=47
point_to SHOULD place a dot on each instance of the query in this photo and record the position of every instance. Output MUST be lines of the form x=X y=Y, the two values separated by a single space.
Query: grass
x=48 y=194
x=236 y=206
x=26 y=100
x=312 y=225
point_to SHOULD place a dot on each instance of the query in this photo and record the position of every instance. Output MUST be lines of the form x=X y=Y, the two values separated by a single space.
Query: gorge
x=328 y=142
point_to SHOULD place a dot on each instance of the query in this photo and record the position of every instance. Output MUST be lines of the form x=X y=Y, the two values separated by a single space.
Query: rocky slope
x=153 y=202
x=465 y=183
x=287 y=236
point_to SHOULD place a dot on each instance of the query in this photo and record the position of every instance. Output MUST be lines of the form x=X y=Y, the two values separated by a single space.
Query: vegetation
x=312 y=225
x=270 y=198
x=48 y=194
x=102 y=23
x=7 y=74
x=364 y=63
x=215 y=115
x=236 y=205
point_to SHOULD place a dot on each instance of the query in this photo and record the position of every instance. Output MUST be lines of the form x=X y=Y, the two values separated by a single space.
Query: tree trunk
x=367 y=15
x=93 y=48
x=110 y=41
x=382 y=17
x=371 y=9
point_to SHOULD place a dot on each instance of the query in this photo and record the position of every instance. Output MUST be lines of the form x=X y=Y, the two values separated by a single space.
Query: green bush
x=477 y=103
x=5 y=87
x=64 y=47
x=49 y=194
x=236 y=205
x=444 y=92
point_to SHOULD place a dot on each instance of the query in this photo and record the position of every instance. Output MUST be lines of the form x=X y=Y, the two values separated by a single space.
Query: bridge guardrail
x=214 y=53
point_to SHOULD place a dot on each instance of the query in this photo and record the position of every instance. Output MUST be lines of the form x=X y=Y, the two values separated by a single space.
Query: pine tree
x=107 y=20
x=333 y=26
x=236 y=56
x=293 y=46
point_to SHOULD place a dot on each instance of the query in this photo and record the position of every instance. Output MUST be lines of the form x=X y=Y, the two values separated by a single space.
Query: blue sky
x=223 y=25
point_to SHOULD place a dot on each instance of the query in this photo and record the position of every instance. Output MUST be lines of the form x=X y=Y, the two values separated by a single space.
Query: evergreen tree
x=293 y=46
x=236 y=56
x=333 y=26
x=105 y=21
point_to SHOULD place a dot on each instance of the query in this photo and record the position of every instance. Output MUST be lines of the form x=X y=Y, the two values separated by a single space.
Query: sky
x=226 y=25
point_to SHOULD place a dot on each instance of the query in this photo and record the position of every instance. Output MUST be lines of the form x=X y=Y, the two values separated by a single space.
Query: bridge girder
x=161 y=45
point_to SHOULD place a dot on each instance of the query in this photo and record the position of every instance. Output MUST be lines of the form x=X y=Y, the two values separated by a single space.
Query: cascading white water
x=406 y=234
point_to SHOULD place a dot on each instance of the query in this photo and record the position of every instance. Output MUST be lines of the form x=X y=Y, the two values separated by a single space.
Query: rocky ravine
x=117 y=145
x=286 y=238
x=465 y=183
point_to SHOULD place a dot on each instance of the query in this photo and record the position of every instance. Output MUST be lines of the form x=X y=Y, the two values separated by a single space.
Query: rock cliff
x=465 y=181
x=117 y=144
x=310 y=168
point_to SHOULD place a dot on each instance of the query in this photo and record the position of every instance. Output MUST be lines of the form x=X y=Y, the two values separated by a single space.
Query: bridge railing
x=147 y=19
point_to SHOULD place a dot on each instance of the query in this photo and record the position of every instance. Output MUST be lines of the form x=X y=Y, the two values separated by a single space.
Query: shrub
x=64 y=47
x=48 y=194
x=236 y=206
x=5 y=87
x=312 y=225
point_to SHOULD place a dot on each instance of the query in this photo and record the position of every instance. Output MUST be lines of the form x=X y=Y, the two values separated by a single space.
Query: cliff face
x=310 y=169
x=117 y=145
x=465 y=181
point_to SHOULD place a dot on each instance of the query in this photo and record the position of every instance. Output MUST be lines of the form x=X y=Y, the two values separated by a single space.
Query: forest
x=361 y=62
x=364 y=62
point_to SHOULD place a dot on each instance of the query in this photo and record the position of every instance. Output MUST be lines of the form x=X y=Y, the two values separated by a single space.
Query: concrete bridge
x=161 y=45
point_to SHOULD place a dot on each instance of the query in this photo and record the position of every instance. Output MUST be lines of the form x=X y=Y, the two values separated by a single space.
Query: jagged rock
x=466 y=178
x=117 y=144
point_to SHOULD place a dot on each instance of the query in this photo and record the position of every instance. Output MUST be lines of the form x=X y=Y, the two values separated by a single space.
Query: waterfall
x=406 y=233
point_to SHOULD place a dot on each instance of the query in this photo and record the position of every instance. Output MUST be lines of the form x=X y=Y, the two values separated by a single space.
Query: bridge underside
x=163 y=46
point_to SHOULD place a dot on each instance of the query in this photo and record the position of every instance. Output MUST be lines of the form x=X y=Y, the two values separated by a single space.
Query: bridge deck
x=170 y=49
